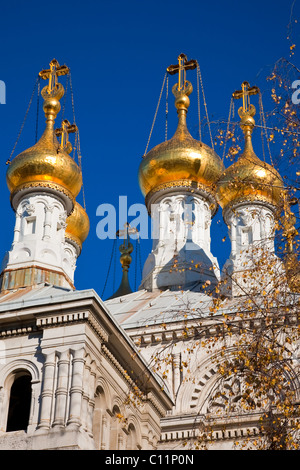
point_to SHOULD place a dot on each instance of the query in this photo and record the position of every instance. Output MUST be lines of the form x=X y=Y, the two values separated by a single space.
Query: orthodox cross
x=127 y=232
x=64 y=131
x=52 y=74
x=181 y=68
x=126 y=248
x=245 y=93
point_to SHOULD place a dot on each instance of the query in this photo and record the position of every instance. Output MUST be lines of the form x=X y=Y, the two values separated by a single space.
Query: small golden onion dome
x=182 y=159
x=78 y=225
x=46 y=164
x=249 y=179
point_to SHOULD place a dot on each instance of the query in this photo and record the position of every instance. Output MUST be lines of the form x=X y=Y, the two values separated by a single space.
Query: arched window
x=132 y=442
x=19 y=403
x=115 y=429
x=100 y=424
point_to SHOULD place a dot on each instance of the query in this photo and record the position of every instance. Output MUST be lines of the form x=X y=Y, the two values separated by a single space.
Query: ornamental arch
x=18 y=404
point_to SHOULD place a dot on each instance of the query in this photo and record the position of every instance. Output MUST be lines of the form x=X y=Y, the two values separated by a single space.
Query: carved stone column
x=182 y=223
x=176 y=373
x=47 y=223
x=91 y=403
x=47 y=392
x=76 y=390
x=251 y=228
x=17 y=228
x=86 y=394
x=104 y=433
x=61 y=390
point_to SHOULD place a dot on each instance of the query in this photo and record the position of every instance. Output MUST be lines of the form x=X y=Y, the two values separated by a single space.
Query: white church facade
x=129 y=373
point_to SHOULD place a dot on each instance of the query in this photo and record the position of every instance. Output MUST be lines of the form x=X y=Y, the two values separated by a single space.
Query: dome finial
x=125 y=259
x=249 y=179
x=54 y=91
x=246 y=113
x=47 y=164
x=53 y=87
x=245 y=93
x=64 y=131
x=181 y=162
x=183 y=88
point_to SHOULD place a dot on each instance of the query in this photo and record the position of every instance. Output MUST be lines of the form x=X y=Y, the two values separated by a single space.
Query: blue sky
x=118 y=52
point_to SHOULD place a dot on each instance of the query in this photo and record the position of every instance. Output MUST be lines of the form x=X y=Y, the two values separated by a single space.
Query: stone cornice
x=209 y=326
x=181 y=186
x=55 y=320
x=246 y=201
x=176 y=428
x=117 y=365
x=44 y=321
x=33 y=317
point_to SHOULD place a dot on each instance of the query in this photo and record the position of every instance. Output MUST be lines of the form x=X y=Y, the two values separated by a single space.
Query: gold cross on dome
x=245 y=93
x=181 y=68
x=126 y=248
x=128 y=230
x=52 y=74
x=64 y=131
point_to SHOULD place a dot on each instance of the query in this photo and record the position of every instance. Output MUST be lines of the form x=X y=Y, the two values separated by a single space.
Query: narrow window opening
x=19 y=404
x=30 y=225
x=100 y=420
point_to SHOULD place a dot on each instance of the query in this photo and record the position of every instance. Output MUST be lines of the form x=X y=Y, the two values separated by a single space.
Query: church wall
x=79 y=388
x=203 y=398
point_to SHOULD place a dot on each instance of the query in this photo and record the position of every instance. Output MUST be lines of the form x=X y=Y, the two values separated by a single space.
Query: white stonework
x=134 y=372
x=180 y=253
x=170 y=328
x=39 y=236
x=252 y=231
x=70 y=255
x=82 y=367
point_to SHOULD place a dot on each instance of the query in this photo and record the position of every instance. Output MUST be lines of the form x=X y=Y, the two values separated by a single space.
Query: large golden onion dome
x=78 y=225
x=46 y=164
x=182 y=160
x=249 y=178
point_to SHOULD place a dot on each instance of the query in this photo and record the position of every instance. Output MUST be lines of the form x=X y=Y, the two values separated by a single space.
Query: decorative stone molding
x=17 y=331
x=117 y=365
x=71 y=317
x=182 y=186
x=251 y=226
x=39 y=239
x=181 y=252
x=30 y=209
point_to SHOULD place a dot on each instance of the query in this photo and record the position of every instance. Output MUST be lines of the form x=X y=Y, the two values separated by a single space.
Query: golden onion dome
x=78 y=225
x=182 y=160
x=249 y=179
x=46 y=164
